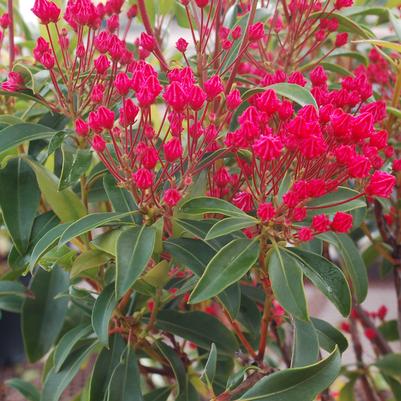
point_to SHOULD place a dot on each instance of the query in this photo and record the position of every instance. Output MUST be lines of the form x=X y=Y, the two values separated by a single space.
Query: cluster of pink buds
x=315 y=150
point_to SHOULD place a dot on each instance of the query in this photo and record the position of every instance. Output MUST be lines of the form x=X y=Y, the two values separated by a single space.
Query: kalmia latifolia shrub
x=169 y=202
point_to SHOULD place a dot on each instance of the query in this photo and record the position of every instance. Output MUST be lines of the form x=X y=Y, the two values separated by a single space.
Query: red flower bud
x=381 y=184
x=305 y=234
x=143 y=178
x=256 y=32
x=181 y=45
x=213 y=87
x=148 y=42
x=233 y=99
x=171 y=197
x=98 y=143
x=266 y=211
x=342 y=222
x=172 y=149
x=46 y=11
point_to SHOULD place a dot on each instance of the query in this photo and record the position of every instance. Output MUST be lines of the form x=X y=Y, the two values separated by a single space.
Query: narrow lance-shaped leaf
x=19 y=201
x=205 y=204
x=134 y=250
x=225 y=268
x=287 y=283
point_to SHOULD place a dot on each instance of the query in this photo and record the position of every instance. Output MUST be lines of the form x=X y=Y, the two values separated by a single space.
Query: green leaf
x=134 y=250
x=17 y=134
x=107 y=242
x=395 y=21
x=389 y=330
x=160 y=394
x=176 y=365
x=57 y=382
x=88 y=223
x=28 y=390
x=65 y=204
x=121 y=199
x=205 y=204
x=294 y=92
x=43 y=314
x=225 y=268
x=19 y=201
x=353 y=263
x=390 y=364
x=229 y=225
x=125 y=381
x=306 y=344
x=45 y=243
x=105 y=364
x=297 y=384
x=210 y=367
x=67 y=343
x=326 y=276
x=336 y=202
x=200 y=328
x=12 y=288
x=287 y=283
x=75 y=163
x=102 y=312
x=329 y=336
x=88 y=260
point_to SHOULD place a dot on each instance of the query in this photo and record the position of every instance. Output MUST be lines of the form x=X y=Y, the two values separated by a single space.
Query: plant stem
x=11 y=33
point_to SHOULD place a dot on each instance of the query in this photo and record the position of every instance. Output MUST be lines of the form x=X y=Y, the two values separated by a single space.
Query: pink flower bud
x=202 y=3
x=381 y=184
x=256 y=32
x=128 y=113
x=98 y=143
x=321 y=223
x=213 y=87
x=305 y=234
x=243 y=200
x=268 y=147
x=97 y=93
x=14 y=82
x=236 y=32
x=5 y=21
x=143 y=178
x=175 y=96
x=122 y=83
x=47 y=60
x=266 y=211
x=171 y=197
x=172 y=149
x=81 y=127
x=181 y=45
x=102 y=64
x=197 y=98
x=222 y=177
x=341 y=39
x=233 y=99
x=149 y=158
x=46 y=11
x=106 y=117
x=132 y=12
x=147 y=42
x=342 y=222
x=102 y=42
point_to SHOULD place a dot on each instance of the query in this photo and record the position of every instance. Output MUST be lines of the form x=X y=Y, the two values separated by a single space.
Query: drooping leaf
x=200 y=328
x=65 y=204
x=88 y=260
x=287 y=283
x=134 y=250
x=26 y=389
x=43 y=314
x=327 y=277
x=17 y=134
x=297 y=384
x=306 y=344
x=210 y=367
x=57 y=382
x=204 y=204
x=125 y=381
x=229 y=225
x=106 y=362
x=67 y=343
x=390 y=364
x=19 y=201
x=329 y=336
x=353 y=265
x=102 y=312
x=88 y=223
x=225 y=268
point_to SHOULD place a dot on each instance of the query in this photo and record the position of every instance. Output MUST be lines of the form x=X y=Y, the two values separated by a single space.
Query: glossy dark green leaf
x=230 y=225
x=43 y=314
x=160 y=394
x=121 y=199
x=88 y=223
x=75 y=164
x=205 y=204
x=390 y=364
x=200 y=328
x=134 y=250
x=19 y=201
x=353 y=265
x=287 y=283
x=297 y=384
x=45 y=243
x=12 y=288
x=102 y=312
x=210 y=367
x=125 y=381
x=67 y=344
x=107 y=242
x=177 y=366
x=65 y=204
x=327 y=277
x=14 y=135
x=57 y=382
x=106 y=362
x=26 y=389
x=329 y=336
x=225 y=268
x=306 y=344
x=336 y=202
